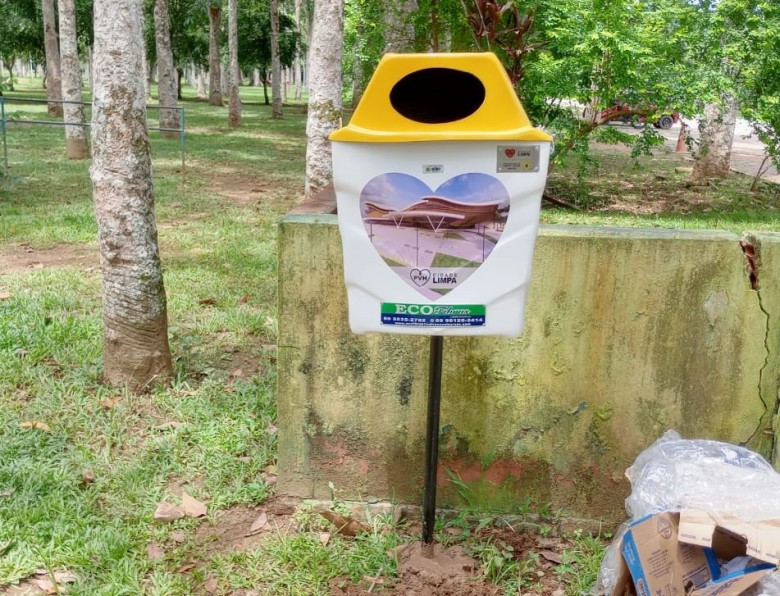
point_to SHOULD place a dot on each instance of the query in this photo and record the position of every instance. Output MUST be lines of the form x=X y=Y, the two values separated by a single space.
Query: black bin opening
x=437 y=95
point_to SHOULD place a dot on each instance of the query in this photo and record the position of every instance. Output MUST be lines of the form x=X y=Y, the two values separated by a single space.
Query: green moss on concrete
x=628 y=333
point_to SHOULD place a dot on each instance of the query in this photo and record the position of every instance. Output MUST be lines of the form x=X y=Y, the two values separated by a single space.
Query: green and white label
x=433 y=315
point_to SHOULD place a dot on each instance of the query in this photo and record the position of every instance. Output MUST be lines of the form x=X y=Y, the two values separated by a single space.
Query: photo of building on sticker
x=434 y=239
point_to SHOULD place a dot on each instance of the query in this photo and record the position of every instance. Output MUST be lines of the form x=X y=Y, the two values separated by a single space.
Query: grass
x=83 y=466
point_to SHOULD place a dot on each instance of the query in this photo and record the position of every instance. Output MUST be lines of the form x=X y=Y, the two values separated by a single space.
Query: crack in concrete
x=752 y=249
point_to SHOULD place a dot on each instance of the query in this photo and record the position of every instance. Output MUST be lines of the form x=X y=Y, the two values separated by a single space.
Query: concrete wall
x=628 y=333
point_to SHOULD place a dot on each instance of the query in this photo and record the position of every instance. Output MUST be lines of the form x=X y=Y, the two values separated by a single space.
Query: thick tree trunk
x=234 y=107
x=52 y=48
x=168 y=85
x=134 y=307
x=75 y=136
x=713 y=159
x=399 y=30
x=324 y=114
x=215 y=73
x=276 y=67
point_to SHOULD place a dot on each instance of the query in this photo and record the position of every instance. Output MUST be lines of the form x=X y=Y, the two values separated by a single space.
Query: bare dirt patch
x=232 y=530
x=23 y=257
x=244 y=189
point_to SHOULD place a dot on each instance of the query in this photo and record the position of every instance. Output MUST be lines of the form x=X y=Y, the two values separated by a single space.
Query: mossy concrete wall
x=628 y=333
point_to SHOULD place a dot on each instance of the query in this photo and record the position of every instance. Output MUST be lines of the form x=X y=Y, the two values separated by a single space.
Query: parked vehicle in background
x=636 y=116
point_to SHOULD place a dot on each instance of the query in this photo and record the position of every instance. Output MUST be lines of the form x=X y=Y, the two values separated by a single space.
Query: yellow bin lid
x=439 y=97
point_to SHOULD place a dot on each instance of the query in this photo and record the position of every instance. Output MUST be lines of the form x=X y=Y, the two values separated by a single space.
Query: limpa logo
x=420 y=277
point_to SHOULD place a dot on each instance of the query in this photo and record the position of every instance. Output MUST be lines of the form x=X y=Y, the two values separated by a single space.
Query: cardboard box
x=759 y=539
x=670 y=554
x=661 y=565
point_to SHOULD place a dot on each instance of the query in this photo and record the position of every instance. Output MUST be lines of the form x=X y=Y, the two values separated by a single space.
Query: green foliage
x=21 y=33
x=254 y=36
x=580 y=566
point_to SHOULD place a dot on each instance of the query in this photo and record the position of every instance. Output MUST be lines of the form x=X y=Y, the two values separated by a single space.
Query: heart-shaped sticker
x=420 y=277
x=510 y=152
x=434 y=240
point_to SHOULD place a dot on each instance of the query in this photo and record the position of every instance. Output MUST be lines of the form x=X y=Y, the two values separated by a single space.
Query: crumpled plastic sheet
x=675 y=473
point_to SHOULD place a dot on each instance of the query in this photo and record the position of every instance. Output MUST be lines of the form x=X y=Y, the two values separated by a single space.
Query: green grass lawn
x=84 y=466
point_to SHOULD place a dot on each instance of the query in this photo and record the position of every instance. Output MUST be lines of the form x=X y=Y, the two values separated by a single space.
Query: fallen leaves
x=192 y=507
x=210 y=585
x=552 y=556
x=167 y=512
x=260 y=524
x=109 y=403
x=154 y=552
x=7 y=492
x=345 y=525
x=52 y=583
x=36 y=425
x=87 y=476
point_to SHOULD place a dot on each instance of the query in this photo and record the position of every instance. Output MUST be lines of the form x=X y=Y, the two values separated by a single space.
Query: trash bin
x=438 y=178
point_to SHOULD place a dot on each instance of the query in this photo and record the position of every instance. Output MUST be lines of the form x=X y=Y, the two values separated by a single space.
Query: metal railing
x=5 y=121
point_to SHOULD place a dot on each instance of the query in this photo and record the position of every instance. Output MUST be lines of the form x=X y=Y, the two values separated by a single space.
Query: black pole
x=432 y=438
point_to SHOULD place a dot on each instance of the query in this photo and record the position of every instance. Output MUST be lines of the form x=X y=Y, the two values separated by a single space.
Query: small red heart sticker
x=509 y=152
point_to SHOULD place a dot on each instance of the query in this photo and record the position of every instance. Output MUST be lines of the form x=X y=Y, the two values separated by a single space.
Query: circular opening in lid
x=437 y=95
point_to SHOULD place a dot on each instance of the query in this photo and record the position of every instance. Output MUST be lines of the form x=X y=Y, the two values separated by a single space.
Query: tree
x=276 y=67
x=136 y=350
x=325 y=87
x=234 y=110
x=297 y=65
x=53 y=79
x=21 y=34
x=732 y=44
x=167 y=84
x=254 y=39
x=215 y=73
x=75 y=136
x=399 y=29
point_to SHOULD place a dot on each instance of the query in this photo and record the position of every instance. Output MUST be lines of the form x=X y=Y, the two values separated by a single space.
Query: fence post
x=181 y=141
x=2 y=125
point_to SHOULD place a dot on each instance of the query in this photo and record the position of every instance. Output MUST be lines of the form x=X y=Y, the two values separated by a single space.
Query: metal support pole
x=5 y=143
x=181 y=142
x=432 y=438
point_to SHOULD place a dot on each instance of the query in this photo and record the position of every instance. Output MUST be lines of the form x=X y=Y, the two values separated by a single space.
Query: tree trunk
x=201 y=83
x=51 y=46
x=136 y=350
x=168 y=85
x=324 y=114
x=215 y=73
x=10 y=69
x=399 y=30
x=75 y=136
x=276 y=67
x=713 y=159
x=89 y=69
x=357 y=79
x=297 y=67
x=234 y=107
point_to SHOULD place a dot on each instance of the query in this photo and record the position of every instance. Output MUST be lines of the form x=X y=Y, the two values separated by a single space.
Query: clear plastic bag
x=675 y=474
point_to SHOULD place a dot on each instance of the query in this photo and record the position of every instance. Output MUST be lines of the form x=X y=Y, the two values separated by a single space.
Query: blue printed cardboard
x=659 y=563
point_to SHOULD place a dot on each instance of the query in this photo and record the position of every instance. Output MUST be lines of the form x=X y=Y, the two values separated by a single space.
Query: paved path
x=747 y=152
